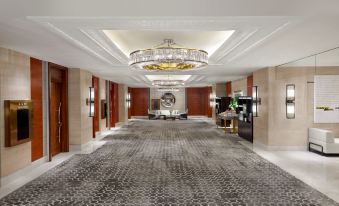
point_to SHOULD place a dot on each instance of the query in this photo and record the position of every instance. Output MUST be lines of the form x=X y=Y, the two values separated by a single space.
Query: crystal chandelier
x=168 y=57
x=168 y=83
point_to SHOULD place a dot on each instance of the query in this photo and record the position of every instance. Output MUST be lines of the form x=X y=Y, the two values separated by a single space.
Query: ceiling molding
x=87 y=34
x=101 y=40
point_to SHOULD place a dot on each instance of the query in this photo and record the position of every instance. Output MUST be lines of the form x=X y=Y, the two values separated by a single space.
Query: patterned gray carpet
x=167 y=163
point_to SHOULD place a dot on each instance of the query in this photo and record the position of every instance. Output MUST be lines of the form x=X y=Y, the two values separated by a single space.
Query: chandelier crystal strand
x=168 y=57
x=168 y=89
x=168 y=83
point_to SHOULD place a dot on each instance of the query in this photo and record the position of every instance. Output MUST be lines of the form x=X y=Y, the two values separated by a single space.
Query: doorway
x=58 y=109
x=113 y=104
x=155 y=104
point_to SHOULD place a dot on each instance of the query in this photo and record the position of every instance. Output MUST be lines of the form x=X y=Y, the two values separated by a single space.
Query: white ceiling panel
x=266 y=33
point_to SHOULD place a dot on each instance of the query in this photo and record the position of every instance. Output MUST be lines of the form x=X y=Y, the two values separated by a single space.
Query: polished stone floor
x=167 y=163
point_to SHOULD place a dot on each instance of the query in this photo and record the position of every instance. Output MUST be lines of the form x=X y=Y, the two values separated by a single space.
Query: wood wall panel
x=36 y=96
x=249 y=85
x=111 y=105
x=107 y=84
x=229 y=89
x=198 y=101
x=139 y=101
x=96 y=118
x=208 y=105
x=114 y=103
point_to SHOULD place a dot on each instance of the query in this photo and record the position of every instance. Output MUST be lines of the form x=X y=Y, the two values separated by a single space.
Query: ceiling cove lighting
x=168 y=83
x=168 y=89
x=290 y=101
x=168 y=56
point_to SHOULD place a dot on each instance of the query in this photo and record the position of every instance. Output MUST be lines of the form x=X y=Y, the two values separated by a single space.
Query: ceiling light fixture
x=168 y=56
x=168 y=83
x=168 y=89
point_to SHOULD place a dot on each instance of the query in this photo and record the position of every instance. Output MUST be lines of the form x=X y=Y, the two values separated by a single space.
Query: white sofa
x=173 y=114
x=323 y=141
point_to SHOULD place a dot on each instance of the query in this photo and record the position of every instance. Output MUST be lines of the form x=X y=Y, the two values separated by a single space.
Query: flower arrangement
x=233 y=104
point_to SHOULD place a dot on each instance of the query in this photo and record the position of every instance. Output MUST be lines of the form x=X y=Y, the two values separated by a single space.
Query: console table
x=234 y=121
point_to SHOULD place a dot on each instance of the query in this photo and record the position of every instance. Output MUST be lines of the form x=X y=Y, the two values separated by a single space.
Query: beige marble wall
x=123 y=110
x=180 y=99
x=86 y=121
x=80 y=124
x=283 y=131
x=260 y=124
x=102 y=95
x=240 y=85
x=74 y=111
x=14 y=85
x=220 y=90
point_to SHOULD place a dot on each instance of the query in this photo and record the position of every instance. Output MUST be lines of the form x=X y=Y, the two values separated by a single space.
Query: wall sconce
x=212 y=100
x=256 y=101
x=128 y=100
x=290 y=101
x=90 y=102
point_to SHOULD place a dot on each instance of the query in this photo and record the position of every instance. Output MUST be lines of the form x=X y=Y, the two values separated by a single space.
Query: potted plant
x=233 y=104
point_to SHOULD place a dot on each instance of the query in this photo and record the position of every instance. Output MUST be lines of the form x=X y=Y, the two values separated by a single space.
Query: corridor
x=183 y=162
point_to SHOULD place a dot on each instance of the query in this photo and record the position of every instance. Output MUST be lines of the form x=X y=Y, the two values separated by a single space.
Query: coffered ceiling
x=131 y=40
x=239 y=39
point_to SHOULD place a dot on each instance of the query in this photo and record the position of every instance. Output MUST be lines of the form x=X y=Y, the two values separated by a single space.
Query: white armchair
x=323 y=141
x=152 y=115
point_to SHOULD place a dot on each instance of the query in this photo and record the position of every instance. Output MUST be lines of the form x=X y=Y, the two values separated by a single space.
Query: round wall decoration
x=167 y=100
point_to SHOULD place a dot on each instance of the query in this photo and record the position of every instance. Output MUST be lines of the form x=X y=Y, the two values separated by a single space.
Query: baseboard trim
x=80 y=147
x=278 y=148
x=22 y=172
x=88 y=147
x=139 y=117
x=103 y=134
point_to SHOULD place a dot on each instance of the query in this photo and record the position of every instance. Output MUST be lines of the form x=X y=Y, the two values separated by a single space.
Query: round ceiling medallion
x=167 y=100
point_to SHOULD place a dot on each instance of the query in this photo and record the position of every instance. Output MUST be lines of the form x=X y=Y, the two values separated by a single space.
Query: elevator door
x=56 y=121
x=58 y=110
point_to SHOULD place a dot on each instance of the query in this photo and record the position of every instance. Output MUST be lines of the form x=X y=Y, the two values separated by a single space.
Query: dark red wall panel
x=36 y=96
x=95 y=84
x=114 y=104
x=249 y=85
x=229 y=89
x=139 y=101
x=198 y=101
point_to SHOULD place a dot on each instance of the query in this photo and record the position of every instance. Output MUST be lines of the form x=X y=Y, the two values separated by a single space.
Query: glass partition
x=326 y=87
x=315 y=81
